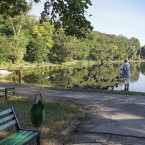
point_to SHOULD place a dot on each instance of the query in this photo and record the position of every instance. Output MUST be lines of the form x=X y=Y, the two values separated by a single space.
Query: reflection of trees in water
x=142 y=67
x=92 y=76
x=81 y=76
x=34 y=79
x=135 y=71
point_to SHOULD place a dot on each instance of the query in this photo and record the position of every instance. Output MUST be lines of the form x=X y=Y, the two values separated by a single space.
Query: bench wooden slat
x=6 y=118
x=9 y=91
x=7 y=139
x=19 y=138
x=7 y=124
x=5 y=112
x=35 y=134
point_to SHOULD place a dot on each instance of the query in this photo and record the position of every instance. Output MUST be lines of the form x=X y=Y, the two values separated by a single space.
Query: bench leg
x=14 y=91
x=38 y=140
x=5 y=93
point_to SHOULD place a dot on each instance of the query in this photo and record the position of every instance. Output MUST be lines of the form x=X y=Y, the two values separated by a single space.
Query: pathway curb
x=71 y=127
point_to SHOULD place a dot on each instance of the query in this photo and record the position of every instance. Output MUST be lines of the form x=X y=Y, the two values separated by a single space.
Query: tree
x=17 y=48
x=12 y=8
x=12 y=48
x=68 y=14
x=44 y=31
x=17 y=29
x=42 y=40
x=134 y=47
x=81 y=50
x=64 y=47
x=36 y=51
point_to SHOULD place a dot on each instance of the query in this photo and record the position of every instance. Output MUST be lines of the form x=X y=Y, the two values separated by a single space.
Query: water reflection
x=96 y=76
x=137 y=86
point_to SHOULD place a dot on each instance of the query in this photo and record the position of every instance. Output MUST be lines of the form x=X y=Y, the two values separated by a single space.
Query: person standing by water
x=126 y=74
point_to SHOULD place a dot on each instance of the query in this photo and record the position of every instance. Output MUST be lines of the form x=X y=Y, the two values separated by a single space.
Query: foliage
x=38 y=47
x=81 y=50
x=26 y=39
x=134 y=46
x=44 y=31
x=63 y=48
x=12 y=48
x=111 y=47
x=17 y=48
x=17 y=37
x=12 y=8
x=3 y=48
x=68 y=14
x=36 y=51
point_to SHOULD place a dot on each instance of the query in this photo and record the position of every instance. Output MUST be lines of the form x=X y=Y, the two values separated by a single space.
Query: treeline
x=23 y=38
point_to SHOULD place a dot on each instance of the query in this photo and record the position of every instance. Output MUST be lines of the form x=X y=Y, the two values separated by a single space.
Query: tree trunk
x=13 y=61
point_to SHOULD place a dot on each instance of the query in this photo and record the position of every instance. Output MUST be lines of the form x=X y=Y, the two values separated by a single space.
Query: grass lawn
x=58 y=116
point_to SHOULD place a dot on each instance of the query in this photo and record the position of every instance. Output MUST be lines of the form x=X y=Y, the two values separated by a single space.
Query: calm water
x=137 y=86
x=90 y=76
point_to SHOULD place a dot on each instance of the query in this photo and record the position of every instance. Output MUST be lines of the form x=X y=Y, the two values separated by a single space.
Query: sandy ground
x=5 y=72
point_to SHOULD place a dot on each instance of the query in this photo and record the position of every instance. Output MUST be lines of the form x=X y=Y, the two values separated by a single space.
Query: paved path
x=111 y=119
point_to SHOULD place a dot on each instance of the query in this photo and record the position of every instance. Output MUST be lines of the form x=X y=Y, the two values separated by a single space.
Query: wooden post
x=6 y=92
x=20 y=76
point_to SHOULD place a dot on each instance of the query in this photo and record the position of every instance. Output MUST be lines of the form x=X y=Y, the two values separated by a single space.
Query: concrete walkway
x=111 y=119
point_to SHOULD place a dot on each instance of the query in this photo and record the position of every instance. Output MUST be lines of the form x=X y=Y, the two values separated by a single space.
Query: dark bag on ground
x=37 y=111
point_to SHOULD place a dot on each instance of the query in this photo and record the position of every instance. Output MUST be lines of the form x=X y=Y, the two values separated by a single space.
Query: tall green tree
x=41 y=43
x=69 y=15
x=16 y=39
x=17 y=48
x=64 y=47
x=36 y=51
x=134 y=47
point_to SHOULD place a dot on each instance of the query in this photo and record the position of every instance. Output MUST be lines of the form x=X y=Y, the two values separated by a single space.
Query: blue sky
x=119 y=17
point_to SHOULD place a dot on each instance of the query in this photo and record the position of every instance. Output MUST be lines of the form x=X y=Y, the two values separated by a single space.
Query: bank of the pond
x=77 y=75
x=26 y=65
x=23 y=86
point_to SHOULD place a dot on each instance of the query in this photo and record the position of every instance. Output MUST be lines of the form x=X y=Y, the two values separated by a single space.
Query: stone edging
x=71 y=127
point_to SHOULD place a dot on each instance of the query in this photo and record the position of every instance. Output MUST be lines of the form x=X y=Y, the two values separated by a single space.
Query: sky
x=119 y=17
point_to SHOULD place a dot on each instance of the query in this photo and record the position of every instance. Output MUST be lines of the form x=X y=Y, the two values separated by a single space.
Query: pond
x=137 y=82
x=96 y=76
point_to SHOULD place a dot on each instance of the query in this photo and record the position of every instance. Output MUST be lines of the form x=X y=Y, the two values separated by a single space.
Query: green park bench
x=8 y=118
x=7 y=91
